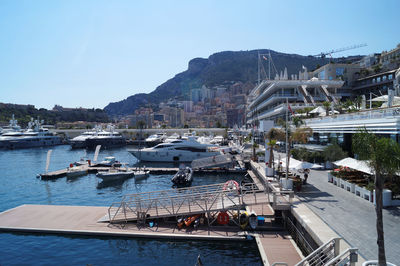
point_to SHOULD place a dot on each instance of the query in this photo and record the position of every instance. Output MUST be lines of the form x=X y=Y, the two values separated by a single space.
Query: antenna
x=324 y=54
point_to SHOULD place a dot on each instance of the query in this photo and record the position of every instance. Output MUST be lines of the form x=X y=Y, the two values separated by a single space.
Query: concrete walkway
x=352 y=217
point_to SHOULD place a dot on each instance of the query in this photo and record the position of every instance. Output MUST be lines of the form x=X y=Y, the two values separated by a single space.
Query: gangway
x=207 y=199
x=220 y=161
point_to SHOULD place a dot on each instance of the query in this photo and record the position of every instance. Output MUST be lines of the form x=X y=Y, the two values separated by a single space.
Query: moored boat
x=115 y=173
x=181 y=150
x=75 y=171
x=183 y=177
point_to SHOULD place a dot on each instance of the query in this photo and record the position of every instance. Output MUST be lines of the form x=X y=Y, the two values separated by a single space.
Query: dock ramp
x=207 y=199
x=218 y=161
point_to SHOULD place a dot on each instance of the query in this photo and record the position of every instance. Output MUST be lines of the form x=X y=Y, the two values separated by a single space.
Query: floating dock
x=153 y=170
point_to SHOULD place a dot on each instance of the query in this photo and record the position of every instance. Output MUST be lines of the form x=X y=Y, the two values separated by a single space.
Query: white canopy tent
x=318 y=110
x=297 y=165
x=358 y=165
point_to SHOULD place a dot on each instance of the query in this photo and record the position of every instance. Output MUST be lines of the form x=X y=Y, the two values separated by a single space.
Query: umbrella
x=297 y=165
x=384 y=98
x=352 y=163
x=318 y=110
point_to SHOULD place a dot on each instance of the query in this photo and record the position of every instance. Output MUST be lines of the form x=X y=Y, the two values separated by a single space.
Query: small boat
x=183 y=177
x=75 y=171
x=141 y=172
x=109 y=161
x=253 y=220
x=244 y=219
x=115 y=173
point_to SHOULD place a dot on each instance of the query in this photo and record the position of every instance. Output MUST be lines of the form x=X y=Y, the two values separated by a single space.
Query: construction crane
x=323 y=55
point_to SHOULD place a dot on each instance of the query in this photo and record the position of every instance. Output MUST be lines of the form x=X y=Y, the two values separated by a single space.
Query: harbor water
x=19 y=185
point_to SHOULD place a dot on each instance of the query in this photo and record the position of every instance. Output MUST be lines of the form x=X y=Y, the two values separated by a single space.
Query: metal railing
x=323 y=254
x=183 y=201
x=298 y=237
x=347 y=257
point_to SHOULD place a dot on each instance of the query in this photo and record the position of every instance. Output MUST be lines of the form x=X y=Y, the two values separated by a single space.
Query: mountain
x=215 y=70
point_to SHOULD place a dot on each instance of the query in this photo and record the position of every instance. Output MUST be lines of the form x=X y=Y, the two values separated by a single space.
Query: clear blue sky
x=79 y=53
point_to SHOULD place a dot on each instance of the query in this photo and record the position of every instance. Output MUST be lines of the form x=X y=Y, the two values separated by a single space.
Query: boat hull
x=30 y=143
x=105 y=143
x=165 y=156
x=114 y=176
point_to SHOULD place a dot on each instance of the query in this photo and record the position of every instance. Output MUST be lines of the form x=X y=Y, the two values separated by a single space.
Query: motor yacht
x=34 y=136
x=172 y=138
x=155 y=139
x=80 y=141
x=12 y=127
x=108 y=138
x=181 y=150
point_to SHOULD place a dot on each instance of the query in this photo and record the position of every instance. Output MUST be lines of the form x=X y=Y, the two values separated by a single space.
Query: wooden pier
x=153 y=170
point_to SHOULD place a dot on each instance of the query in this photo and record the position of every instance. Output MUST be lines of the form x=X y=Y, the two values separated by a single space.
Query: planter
x=334 y=180
x=330 y=177
x=339 y=182
x=348 y=186
x=386 y=197
x=287 y=183
x=269 y=172
x=363 y=193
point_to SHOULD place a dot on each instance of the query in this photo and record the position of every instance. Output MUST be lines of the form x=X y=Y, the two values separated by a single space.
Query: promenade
x=352 y=217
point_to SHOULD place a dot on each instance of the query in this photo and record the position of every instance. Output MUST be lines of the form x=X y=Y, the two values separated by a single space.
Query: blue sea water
x=19 y=185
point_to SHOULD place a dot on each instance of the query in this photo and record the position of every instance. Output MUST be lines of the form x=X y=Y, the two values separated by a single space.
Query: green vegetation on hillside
x=24 y=113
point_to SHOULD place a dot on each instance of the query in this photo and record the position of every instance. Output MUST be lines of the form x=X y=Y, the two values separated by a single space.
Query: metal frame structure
x=208 y=200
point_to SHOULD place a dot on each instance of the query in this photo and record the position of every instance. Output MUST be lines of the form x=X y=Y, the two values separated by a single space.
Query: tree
x=272 y=136
x=333 y=153
x=327 y=106
x=383 y=156
x=299 y=135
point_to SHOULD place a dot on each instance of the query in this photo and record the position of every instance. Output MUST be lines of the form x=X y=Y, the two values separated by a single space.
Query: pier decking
x=82 y=220
x=153 y=170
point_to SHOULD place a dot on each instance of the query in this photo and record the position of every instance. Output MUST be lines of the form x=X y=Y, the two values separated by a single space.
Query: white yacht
x=155 y=139
x=181 y=150
x=108 y=138
x=80 y=141
x=34 y=136
x=172 y=138
x=12 y=127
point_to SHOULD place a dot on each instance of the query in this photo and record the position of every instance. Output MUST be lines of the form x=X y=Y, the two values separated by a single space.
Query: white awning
x=297 y=165
x=352 y=163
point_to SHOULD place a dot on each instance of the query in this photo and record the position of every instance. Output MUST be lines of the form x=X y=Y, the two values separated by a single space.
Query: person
x=306 y=171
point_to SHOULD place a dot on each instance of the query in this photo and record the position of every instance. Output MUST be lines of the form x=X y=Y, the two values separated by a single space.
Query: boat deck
x=82 y=220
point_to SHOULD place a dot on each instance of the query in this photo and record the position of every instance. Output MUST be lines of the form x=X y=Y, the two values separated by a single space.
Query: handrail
x=205 y=198
x=349 y=256
x=318 y=256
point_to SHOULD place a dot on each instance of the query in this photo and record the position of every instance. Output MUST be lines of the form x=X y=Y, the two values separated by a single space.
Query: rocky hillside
x=215 y=70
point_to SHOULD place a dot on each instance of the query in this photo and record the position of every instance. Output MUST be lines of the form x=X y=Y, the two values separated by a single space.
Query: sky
x=81 y=53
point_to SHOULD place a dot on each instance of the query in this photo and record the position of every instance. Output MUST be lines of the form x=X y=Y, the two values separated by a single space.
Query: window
x=390 y=76
x=378 y=79
x=339 y=71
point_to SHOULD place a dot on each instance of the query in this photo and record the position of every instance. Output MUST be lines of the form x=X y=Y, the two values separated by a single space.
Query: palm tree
x=272 y=136
x=299 y=135
x=327 y=106
x=383 y=156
